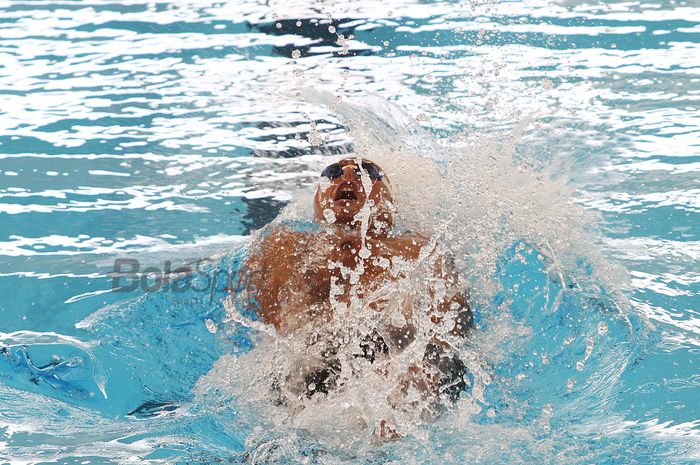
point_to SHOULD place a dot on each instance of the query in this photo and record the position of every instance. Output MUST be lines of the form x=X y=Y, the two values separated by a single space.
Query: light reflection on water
x=168 y=131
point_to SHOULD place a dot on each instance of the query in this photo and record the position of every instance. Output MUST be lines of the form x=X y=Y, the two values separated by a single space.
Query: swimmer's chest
x=349 y=268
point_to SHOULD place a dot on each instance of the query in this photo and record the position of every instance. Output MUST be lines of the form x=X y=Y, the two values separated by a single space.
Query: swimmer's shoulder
x=408 y=244
x=287 y=231
x=282 y=240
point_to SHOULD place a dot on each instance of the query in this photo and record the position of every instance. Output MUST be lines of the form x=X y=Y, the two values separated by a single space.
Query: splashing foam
x=474 y=196
x=474 y=202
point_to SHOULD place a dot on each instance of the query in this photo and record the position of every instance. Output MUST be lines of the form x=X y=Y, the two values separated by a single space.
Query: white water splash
x=475 y=198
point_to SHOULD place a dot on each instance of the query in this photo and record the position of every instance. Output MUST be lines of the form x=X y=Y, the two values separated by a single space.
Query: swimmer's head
x=352 y=188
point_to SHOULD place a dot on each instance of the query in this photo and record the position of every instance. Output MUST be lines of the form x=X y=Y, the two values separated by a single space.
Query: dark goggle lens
x=332 y=171
x=335 y=171
x=373 y=171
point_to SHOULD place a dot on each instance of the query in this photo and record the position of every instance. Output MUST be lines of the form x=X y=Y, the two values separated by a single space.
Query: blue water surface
x=166 y=132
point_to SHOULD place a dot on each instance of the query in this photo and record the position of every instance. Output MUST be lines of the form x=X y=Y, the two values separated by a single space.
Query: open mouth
x=346 y=194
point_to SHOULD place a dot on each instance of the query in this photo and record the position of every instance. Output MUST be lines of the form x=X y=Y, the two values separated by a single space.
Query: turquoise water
x=166 y=132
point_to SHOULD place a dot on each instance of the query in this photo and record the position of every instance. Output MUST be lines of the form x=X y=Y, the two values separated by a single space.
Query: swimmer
x=306 y=282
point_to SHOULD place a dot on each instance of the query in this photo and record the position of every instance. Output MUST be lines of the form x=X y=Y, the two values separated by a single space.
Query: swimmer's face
x=349 y=186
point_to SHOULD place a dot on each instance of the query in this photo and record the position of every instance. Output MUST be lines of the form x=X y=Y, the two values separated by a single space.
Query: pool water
x=162 y=134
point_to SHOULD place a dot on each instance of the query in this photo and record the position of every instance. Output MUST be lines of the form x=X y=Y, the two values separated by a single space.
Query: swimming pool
x=162 y=133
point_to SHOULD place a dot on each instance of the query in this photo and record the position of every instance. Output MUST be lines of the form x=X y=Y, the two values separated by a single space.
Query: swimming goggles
x=335 y=170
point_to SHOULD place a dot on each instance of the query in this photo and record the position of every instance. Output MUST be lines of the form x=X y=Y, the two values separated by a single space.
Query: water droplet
x=298 y=23
x=298 y=73
x=211 y=326
x=275 y=16
x=602 y=327
x=331 y=29
x=385 y=43
x=613 y=45
x=278 y=25
x=580 y=365
x=547 y=84
x=329 y=215
x=547 y=410
x=398 y=320
x=296 y=53
x=570 y=384
x=383 y=262
x=314 y=136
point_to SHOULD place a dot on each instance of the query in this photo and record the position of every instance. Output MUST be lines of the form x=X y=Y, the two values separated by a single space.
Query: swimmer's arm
x=272 y=261
x=455 y=301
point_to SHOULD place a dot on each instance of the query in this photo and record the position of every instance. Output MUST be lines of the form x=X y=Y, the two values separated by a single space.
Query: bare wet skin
x=349 y=292
x=297 y=280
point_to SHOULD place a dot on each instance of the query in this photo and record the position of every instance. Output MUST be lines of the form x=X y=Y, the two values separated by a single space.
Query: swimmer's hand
x=384 y=432
x=416 y=391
